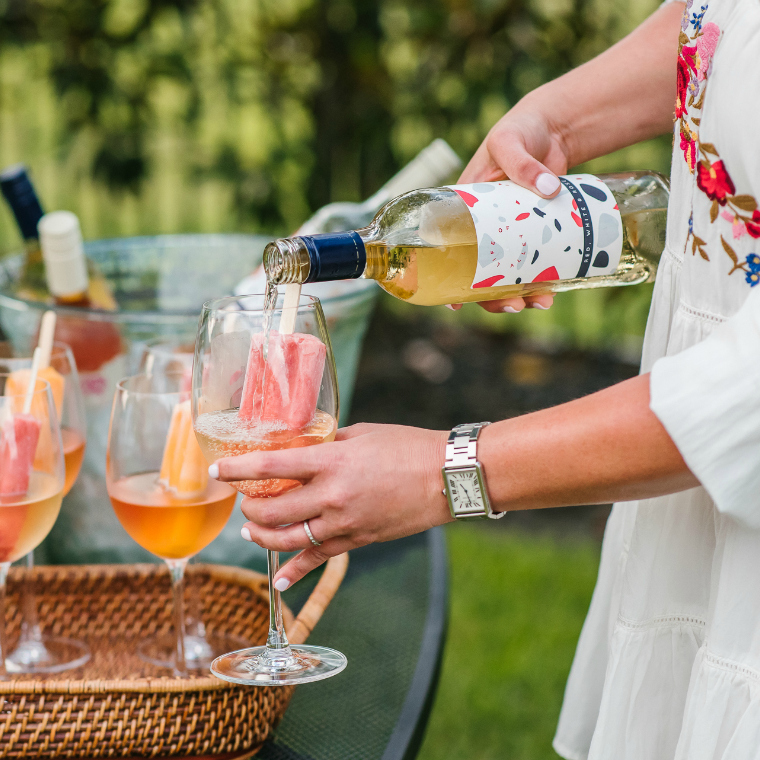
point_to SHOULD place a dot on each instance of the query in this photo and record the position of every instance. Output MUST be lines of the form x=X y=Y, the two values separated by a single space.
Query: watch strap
x=462 y=446
x=462 y=451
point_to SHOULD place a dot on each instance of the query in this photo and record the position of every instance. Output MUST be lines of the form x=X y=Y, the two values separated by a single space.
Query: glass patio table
x=389 y=618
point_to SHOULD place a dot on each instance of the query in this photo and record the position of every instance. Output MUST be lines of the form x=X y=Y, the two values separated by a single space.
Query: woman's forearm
x=605 y=447
x=622 y=96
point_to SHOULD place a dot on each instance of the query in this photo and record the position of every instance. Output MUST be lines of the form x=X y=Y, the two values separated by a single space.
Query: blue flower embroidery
x=696 y=18
x=753 y=276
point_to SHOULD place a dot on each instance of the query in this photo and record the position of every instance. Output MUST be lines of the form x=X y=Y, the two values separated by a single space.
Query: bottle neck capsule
x=22 y=199
x=316 y=258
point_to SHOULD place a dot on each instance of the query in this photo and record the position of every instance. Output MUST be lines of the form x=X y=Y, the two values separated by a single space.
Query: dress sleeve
x=708 y=399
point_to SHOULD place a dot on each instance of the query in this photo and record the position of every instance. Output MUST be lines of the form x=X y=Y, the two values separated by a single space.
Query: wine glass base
x=257 y=666
x=200 y=651
x=51 y=654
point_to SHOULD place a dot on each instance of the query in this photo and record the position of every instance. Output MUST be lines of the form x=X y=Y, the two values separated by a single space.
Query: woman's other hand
x=528 y=148
x=374 y=483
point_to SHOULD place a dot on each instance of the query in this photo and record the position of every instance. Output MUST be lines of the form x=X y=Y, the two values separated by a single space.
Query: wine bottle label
x=524 y=238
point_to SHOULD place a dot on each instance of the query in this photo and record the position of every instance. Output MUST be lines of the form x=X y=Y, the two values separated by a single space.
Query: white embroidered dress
x=668 y=664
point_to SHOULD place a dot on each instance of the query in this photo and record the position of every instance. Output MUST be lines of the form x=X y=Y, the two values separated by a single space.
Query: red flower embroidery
x=689 y=57
x=689 y=148
x=715 y=182
x=683 y=79
x=753 y=227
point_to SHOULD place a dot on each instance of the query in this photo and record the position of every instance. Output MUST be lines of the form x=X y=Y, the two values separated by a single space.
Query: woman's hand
x=528 y=148
x=374 y=483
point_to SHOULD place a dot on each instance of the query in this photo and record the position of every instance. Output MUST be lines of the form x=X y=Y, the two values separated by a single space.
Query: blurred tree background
x=148 y=116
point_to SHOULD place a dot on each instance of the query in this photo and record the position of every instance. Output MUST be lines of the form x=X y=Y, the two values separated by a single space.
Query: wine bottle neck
x=19 y=192
x=316 y=258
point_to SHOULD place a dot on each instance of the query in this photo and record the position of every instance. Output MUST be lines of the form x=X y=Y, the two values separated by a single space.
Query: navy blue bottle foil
x=335 y=256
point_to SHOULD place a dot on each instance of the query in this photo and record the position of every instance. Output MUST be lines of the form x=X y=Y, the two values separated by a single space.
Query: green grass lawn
x=518 y=601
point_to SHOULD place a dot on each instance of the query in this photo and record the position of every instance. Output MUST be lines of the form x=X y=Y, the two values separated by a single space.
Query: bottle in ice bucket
x=433 y=164
x=19 y=192
x=93 y=342
x=492 y=240
x=34 y=279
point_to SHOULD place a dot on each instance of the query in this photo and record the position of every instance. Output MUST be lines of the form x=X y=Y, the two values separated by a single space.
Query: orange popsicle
x=18 y=382
x=184 y=470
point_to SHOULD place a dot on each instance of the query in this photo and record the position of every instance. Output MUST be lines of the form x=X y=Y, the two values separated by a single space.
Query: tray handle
x=318 y=600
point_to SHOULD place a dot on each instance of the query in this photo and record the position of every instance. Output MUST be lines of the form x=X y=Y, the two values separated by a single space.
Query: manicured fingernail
x=547 y=183
x=245 y=533
x=510 y=310
x=539 y=306
x=281 y=584
x=213 y=471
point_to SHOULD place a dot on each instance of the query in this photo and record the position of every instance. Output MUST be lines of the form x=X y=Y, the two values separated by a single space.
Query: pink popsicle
x=19 y=443
x=291 y=379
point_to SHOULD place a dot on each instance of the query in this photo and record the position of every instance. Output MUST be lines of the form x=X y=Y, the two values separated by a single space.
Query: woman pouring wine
x=667 y=665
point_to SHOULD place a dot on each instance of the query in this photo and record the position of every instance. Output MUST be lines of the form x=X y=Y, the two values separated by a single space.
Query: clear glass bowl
x=160 y=284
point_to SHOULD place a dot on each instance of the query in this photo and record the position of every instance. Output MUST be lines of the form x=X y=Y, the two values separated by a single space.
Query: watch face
x=464 y=488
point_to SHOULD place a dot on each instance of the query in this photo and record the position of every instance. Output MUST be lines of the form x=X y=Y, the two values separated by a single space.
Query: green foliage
x=233 y=115
x=518 y=602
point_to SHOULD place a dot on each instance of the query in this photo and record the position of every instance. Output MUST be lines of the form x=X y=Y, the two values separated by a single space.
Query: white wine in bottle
x=493 y=240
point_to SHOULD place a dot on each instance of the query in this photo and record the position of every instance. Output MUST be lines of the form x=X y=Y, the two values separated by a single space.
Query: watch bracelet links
x=462 y=446
x=461 y=451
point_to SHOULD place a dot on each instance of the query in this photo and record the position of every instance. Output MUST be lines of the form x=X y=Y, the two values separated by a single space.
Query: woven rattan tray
x=121 y=707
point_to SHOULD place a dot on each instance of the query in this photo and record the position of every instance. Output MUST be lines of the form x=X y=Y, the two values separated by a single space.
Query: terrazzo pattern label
x=523 y=238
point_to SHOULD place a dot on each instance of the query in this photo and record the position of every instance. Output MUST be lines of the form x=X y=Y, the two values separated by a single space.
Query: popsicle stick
x=290 y=308
x=32 y=380
x=45 y=342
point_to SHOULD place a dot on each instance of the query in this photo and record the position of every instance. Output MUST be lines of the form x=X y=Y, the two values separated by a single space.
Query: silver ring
x=309 y=534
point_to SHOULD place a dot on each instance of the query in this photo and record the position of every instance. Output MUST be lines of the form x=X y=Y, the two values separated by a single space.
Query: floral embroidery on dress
x=741 y=211
x=753 y=276
x=695 y=54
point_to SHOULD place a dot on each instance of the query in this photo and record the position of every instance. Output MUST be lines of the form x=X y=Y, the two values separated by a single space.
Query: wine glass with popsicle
x=264 y=378
x=36 y=652
x=172 y=363
x=32 y=475
x=157 y=480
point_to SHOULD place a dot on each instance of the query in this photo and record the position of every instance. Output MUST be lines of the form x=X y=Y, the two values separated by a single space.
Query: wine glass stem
x=276 y=638
x=3 y=641
x=177 y=570
x=30 y=627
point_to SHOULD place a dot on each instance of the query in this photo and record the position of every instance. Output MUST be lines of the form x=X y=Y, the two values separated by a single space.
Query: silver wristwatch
x=464 y=477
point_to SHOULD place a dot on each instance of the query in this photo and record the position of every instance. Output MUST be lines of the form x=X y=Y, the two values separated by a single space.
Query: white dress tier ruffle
x=668 y=663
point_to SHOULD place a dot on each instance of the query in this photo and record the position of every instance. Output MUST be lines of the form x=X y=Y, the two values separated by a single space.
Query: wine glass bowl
x=227 y=327
x=69 y=403
x=265 y=379
x=27 y=515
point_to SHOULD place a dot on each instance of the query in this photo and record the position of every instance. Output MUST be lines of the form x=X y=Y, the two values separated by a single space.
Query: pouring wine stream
x=278 y=647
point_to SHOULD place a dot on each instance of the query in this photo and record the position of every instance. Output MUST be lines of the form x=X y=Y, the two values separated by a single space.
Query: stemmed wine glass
x=171 y=363
x=158 y=483
x=32 y=478
x=36 y=652
x=235 y=415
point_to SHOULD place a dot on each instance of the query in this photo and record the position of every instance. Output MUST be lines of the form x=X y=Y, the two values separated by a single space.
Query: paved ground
x=421 y=372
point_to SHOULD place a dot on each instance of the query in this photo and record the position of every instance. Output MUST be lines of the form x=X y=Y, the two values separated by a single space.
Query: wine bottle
x=94 y=342
x=430 y=166
x=32 y=284
x=19 y=192
x=493 y=240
